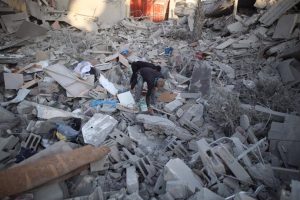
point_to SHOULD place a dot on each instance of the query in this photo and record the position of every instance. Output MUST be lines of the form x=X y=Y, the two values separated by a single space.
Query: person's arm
x=133 y=79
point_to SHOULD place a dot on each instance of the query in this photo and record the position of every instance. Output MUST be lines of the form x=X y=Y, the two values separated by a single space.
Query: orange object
x=155 y=10
x=28 y=176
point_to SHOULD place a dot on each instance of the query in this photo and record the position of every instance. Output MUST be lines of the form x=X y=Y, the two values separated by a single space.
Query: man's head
x=160 y=83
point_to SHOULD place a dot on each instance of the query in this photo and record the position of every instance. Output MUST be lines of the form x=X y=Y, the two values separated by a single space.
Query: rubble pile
x=226 y=125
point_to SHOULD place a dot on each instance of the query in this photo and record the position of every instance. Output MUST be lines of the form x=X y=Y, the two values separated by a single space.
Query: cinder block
x=132 y=180
x=177 y=170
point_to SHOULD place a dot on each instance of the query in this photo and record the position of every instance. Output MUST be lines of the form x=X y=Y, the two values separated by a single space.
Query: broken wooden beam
x=47 y=169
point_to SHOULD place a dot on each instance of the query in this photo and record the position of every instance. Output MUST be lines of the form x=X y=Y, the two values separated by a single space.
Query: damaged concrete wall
x=108 y=12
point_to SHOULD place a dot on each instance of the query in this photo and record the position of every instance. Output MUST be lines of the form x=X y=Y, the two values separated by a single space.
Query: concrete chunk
x=289 y=71
x=209 y=158
x=97 y=128
x=285 y=26
x=172 y=106
x=177 y=170
x=276 y=11
x=236 y=27
x=205 y=194
x=13 y=81
x=225 y=44
x=132 y=180
x=177 y=189
x=233 y=164
x=160 y=124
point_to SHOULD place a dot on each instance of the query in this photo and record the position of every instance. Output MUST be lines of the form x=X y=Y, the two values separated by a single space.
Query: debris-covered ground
x=226 y=125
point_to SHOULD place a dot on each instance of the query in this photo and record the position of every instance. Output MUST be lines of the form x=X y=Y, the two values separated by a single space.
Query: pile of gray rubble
x=226 y=124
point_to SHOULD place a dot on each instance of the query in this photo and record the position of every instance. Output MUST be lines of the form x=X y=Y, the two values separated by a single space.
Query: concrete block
x=8 y=143
x=177 y=170
x=179 y=112
x=32 y=141
x=132 y=180
x=174 y=145
x=146 y=168
x=239 y=172
x=206 y=194
x=13 y=81
x=172 y=106
x=49 y=192
x=225 y=44
x=122 y=138
x=97 y=129
x=295 y=193
x=189 y=95
x=160 y=185
x=100 y=165
x=177 y=189
x=209 y=159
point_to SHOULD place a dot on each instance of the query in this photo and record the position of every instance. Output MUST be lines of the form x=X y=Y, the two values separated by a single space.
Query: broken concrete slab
x=35 y=10
x=97 y=128
x=177 y=170
x=177 y=189
x=13 y=81
x=22 y=93
x=276 y=11
x=225 y=44
x=84 y=23
x=126 y=99
x=8 y=119
x=29 y=29
x=289 y=71
x=160 y=124
x=67 y=79
x=285 y=26
x=12 y=22
x=172 y=106
x=230 y=72
x=206 y=194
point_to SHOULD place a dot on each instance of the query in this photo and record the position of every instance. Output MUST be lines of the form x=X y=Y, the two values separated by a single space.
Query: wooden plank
x=47 y=169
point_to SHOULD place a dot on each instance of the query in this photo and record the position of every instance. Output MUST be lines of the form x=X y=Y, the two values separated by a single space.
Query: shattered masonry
x=225 y=125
